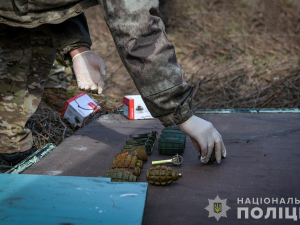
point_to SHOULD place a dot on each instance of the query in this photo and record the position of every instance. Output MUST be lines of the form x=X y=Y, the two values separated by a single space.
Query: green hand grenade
x=120 y=175
x=127 y=166
x=212 y=158
x=148 y=141
x=162 y=175
x=171 y=141
x=138 y=151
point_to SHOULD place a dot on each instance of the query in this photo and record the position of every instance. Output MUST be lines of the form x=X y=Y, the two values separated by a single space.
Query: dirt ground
x=236 y=54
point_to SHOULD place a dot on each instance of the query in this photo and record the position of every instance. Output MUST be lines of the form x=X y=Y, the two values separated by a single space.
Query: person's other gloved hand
x=204 y=137
x=88 y=68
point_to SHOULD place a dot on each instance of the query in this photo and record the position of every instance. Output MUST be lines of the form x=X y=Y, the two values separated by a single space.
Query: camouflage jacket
x=29 y=14
x=140 y=38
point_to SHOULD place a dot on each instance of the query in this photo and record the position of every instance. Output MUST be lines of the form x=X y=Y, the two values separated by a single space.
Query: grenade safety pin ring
x=176 y=160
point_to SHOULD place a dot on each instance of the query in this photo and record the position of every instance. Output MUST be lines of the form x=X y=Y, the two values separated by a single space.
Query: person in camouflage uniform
x=26 y=58
x=32 y=32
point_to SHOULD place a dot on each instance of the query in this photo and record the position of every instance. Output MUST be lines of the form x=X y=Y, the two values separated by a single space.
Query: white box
x=135 y=108
x=77 y=109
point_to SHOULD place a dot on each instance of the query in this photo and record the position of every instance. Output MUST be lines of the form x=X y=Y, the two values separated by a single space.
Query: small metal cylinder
x=162 y=162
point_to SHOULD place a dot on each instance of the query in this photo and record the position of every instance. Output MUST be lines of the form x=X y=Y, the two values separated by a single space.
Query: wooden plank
x=41 y=199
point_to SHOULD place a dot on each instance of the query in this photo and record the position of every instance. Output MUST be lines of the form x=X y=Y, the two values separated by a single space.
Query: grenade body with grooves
x=147 y=147
x=136 y=142
x=148 y=142
x=127 y=166
x=121 y=175
x=129 y=158
x=162 y=175
x=171 y=141
x=138 y=151
x=139 y=147
x=129 y=146
x=212 y=158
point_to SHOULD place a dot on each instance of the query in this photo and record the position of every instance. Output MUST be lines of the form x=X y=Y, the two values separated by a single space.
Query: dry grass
x=48 y=126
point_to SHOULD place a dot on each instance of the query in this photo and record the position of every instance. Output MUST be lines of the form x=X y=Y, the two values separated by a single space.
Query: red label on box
x=93 y=106
x=130 y=104
x=131 y=109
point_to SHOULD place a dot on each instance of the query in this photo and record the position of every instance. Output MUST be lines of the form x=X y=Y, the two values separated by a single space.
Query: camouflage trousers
x=26 y=57
x=149 y=57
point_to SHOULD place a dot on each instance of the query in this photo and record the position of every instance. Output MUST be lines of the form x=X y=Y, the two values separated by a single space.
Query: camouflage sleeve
x=69 y=35
x=149 y=57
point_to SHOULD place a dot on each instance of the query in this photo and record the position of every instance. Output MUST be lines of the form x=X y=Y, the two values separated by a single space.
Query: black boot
x=4 y=166
x=14 y=158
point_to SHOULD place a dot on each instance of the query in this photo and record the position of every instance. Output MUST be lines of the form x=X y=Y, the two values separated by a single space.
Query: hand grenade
x=162 y=175
x=127 y=166
x=212 y=157
x=148 y=141
x=171 y=141
x=120 y=175
x=138 y=151
x=128 y=158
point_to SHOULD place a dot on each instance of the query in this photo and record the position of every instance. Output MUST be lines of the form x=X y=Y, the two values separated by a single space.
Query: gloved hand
x=88 y=68
x=204 y=137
